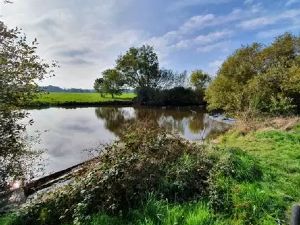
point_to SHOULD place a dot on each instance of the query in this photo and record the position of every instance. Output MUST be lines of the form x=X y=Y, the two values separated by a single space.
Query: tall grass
x=161 y=212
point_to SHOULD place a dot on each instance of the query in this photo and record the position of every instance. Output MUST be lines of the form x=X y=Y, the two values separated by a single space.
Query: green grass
x=6 y=220
x=58 y=98
x=278 y=153
x=161 y=212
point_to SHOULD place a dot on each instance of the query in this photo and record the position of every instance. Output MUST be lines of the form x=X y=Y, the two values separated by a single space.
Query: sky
x=87 y=36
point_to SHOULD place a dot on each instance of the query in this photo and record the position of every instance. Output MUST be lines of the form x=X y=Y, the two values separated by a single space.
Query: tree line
x=255 y=78
x=139 y=69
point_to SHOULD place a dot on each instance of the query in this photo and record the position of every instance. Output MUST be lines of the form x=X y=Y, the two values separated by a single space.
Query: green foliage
x=20 y=70
x=252 y=203
x=98 y=86
x=238 y=165
x=199 y=80
x=112 y=82
x=139 y=67
x=7 y=219
x=178 y=96
x=257 y=78
x=232 y=166
x=281 y=105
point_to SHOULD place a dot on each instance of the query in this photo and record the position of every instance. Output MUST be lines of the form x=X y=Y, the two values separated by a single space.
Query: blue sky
x=86 y=37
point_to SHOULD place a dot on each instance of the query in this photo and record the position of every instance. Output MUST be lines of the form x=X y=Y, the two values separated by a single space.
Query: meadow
x=63 y=98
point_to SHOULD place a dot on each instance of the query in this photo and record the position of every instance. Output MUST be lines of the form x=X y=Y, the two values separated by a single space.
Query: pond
x=68 y=136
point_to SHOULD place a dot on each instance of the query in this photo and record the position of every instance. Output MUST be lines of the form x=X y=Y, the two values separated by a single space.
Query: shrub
x=177 y=96
x=145 y=160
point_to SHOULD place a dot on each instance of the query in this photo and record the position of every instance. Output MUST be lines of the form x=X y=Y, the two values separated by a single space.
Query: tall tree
x=20 y=70
x=140 y=67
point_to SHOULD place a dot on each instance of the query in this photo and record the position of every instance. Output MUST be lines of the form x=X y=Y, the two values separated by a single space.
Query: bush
x=145 y=160
x=177 y=96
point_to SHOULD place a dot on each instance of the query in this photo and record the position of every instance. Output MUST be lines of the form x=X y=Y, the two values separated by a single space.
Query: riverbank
x=66 y=99
x=249 y=176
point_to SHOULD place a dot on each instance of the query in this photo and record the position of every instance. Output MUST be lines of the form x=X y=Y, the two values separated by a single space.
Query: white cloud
x=271 y=33
x=84 y=38
x=221 y=46
x=203 y=40
x=87 y=37
x=257 y=22
x=212 y=37
x=251 y=24
x=198 y=22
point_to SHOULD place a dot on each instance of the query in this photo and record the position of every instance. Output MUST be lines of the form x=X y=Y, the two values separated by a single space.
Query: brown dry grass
x=247 y=123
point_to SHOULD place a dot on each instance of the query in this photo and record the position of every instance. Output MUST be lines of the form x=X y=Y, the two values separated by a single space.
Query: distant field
x=59 y=98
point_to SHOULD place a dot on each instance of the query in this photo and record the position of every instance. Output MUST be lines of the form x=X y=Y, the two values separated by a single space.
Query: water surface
x=67 y=135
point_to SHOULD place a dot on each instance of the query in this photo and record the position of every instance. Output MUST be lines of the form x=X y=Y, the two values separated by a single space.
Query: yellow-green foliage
x=257 y=78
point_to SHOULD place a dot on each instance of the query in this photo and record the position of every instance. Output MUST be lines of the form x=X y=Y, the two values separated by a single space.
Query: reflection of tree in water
x=196 y=123
x=114 y=118
x=16 y=157
x=174 y=118
x=10 y=147
x=171 y=119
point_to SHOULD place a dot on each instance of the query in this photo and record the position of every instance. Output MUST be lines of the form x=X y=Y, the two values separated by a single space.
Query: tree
x=199 y=80
x=112 y=82
x=169 y=79
x=98 y=86
x=257 y=78
x=140 y=67
x=20 y=69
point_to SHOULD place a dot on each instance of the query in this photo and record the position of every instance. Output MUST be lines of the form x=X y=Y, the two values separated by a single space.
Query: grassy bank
x=248 y=177
x=65 y=99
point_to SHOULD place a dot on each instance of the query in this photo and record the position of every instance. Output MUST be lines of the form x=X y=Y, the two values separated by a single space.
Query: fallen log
x=47 y=181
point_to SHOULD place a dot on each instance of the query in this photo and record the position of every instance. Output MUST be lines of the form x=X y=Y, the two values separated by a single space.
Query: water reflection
x=16 y=155
x=66 y=133
x=70 y=131
x=185 y=121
